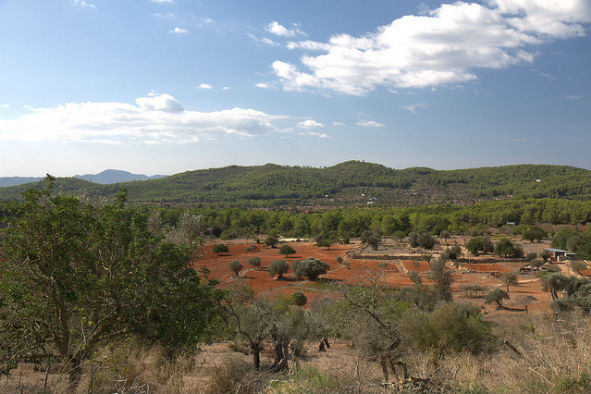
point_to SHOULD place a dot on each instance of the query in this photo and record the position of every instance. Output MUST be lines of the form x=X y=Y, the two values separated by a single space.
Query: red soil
x=361 y=271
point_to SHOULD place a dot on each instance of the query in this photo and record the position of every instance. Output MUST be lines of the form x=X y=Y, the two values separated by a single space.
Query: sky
x=166 y=86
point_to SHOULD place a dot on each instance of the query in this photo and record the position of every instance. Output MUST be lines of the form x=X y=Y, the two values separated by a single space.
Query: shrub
x=229 y=376
x=286 y=250
x=299 y=298
x=339 y=259
x=279 y=267
x=531 y=256
x=251 y=248
x=450 y=328
x=254 y=261
x=310 y=267
x=220 y=248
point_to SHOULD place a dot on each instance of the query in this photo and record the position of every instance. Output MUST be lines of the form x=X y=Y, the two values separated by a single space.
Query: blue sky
x=160 y=87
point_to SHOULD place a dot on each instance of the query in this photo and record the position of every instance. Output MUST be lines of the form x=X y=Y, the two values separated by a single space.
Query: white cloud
x=263 y=40
x=204 y=86
x=369 y=123
x=443 y=46
x=414 y=107
x=282 y=31
x=151 y=120
x=82 y=3
x=160 y=15
x=316 y=134
x=262 y=85
x=179 y=30
x=309 y=124
x=338 y=124
x=4 y=106
x=567 y=96
x=226 y=88
x=162 y=1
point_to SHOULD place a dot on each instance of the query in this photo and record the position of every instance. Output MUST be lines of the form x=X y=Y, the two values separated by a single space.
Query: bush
x=229 y=376
x=311 y=267
x=339 y=259
x=254 y=261
x=220 y=248
x=531 y=256
x=286 y=250
x=299 y=298
x=251 y=248
x=279 y=267
x=453 y=253
x=450 y=328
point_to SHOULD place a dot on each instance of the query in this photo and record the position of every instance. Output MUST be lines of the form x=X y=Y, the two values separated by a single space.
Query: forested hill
x=346 y=184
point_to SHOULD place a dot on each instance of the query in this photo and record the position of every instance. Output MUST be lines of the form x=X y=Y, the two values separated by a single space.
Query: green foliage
x=534 y=233
x=275 y=186
x=307 y=380
x=278 y=267
x=75 y=276
x=510 y=279
x=371 y=238
x=453 y=253
x=220 y=248
x=424 y=240
x=443 y=278
x=310 y=267
x=496 y=295
x=479 y=244
x=271 y=241
x=449 y=328
x=339 y=259
x=254 y=261
x=531 y=256
x=506 y=248
x=299 y=298
x=286 y=250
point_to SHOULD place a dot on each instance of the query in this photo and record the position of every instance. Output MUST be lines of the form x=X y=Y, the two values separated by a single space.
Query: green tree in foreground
x=299 y=298
x=286 y=250
x=76 y=276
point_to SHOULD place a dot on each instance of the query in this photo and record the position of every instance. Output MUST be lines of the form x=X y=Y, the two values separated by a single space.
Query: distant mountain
x=17 y=180
x=352 y=183
x=110 y=176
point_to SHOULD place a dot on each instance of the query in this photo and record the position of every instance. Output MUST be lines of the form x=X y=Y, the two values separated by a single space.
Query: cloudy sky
x=164 y=86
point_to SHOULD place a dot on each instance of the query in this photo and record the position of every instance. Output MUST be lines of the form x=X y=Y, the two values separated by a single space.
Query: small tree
x=554 y=283
x=426 y=241
x=278 y=267
x=531 y=256
x=271 y=241
x=299 y=298
x=533 y=233
x=372 y=238
x=415 y=277
x=497 y=296
x=546 y=254
x=204 y=271
x=235 y=267
x=454 y=252
x=504 y=247
x=311 y=267
x=445 y=235
x=220 y=248
x=254 y=261
x=286 y=250
x=510 y=279
x=443 y=278
x=577 y=265
x=339 y=259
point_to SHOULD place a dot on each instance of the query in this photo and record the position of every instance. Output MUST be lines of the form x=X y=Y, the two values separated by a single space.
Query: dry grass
x=555 y=357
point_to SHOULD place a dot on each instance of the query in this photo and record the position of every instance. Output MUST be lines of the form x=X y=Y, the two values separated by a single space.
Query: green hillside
x=347 y=184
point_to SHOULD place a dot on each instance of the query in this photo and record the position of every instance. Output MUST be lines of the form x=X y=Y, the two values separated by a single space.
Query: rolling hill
x=351 y=183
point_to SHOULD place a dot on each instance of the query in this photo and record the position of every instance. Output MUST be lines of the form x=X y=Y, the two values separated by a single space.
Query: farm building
x=560 y=254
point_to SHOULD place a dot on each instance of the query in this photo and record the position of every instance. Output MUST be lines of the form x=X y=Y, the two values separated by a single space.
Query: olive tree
x=286 y=250
x=310 y=267
x=76 y=276
x=235 y=267
x=278 y=267
x=510 y=279
x=497 y=296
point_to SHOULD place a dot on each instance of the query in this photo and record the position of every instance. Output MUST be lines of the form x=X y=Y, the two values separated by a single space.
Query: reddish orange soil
x=361 y=271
